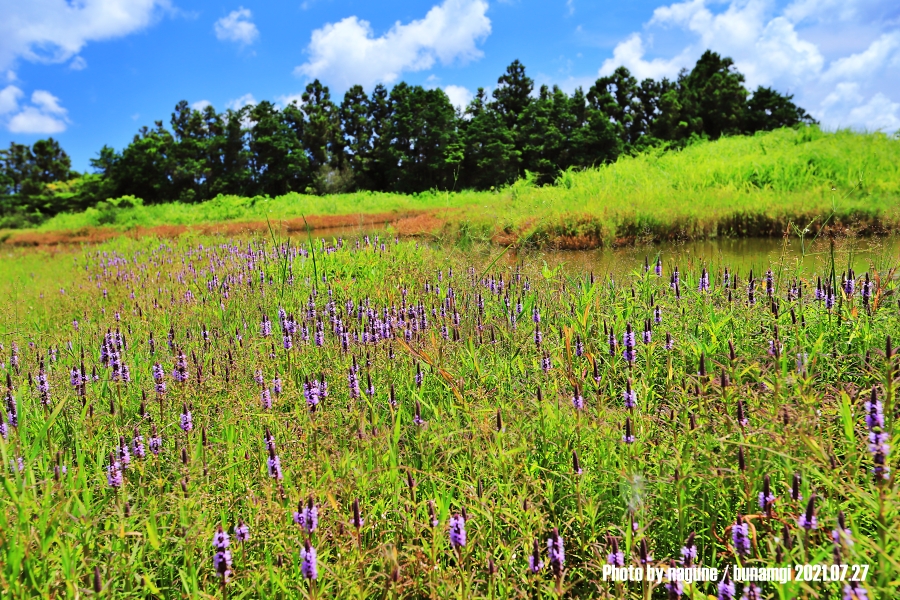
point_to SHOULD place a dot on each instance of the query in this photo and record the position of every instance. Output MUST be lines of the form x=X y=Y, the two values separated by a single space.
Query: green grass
x=739 y=187
x=683 y=473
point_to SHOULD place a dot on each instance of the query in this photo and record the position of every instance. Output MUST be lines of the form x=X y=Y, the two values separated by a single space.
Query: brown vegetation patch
x=419 y=225
x=407 y=222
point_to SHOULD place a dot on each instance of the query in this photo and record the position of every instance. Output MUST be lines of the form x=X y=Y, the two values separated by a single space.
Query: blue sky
x=91 y=72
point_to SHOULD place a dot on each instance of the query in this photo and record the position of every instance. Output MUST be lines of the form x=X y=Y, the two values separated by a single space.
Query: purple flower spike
x=535 y=564
x=855 y=591
x=187 y=421
x=577 y=398
x=751 y=592
x=689 y=550
x=740 y=536
x=274 y=466
x=616 y=557
x=556 y=552
x=222 y=556
x=241 y=532
x=629 y=395
x=308 y=566
x=842 y=535
x=808 y=519
x=726 y=589
x=114 y=476
x=457 y=531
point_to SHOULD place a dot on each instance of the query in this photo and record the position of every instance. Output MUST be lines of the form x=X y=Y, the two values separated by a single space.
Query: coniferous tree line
x=406 y=139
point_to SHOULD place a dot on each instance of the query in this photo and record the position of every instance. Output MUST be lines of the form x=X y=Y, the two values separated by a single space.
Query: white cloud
x=32 y=120
x=879 y=54
x=347 y=52
x=42 y=115
x=769 y=46
x=237 y=27
x=288 y=99
x=459 y=96
x=201 y=104
x=9 y=99
x=47 y=102
x=630 y=53
x=239 y=103
x=78 y=64
x=844 y=107
x=878 y=114
x=53 y=31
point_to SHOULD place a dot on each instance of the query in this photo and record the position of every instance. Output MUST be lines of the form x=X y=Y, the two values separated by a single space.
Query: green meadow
x=385 y=419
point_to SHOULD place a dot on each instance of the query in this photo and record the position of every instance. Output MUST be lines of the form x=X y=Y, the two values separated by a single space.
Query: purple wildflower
x=556 y=552
x=417 y=418
x=808 y=519
x=689 y=550
x=726 y=589
x=187 y=421
x=241 y=532
x=577 y=398
x=629 y=395
x=137 y=445
x=155 y=441
x=114 y=473
x=277 y=386
x=124 y=453
x=307 y=516
x=309 y=567
x=457 y=531
x=766 y=497
x=311 y=393
x=751 y=592
x=616 y=557
x=842 y=535
x=628 y=438
x=274 y=466
x=628 y=343
x=43 y=386
x=855 y=591
x=158 y=378
x=740 y=536
x=535 y=564
x=703 y=284
x=796 y=496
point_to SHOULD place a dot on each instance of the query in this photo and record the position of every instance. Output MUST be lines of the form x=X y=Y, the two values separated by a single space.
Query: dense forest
x=406 y=139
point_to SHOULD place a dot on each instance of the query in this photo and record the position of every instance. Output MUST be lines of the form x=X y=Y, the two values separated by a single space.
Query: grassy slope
x=739 y=186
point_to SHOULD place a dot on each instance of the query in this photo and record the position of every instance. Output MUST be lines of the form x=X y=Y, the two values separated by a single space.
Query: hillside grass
x=738 y=186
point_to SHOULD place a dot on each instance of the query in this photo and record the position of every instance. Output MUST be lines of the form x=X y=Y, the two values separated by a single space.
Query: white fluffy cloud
x=53 y=31
x=769 y=48
x=9 y=99
x=347 y=52
x=880 y=54
x=630 y=53
x=201 y=104
x=237 y=27
x=43 y=116
x=459 y=96
x=239 y=103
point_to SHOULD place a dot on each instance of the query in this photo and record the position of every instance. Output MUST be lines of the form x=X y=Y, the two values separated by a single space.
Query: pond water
x=739 y=255
x=791 y=255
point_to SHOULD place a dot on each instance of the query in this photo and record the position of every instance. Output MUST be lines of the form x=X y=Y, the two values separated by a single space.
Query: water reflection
x=740 y=255
x=789 y=256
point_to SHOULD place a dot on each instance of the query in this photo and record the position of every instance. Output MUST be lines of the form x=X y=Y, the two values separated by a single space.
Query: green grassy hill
x=739 y=186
